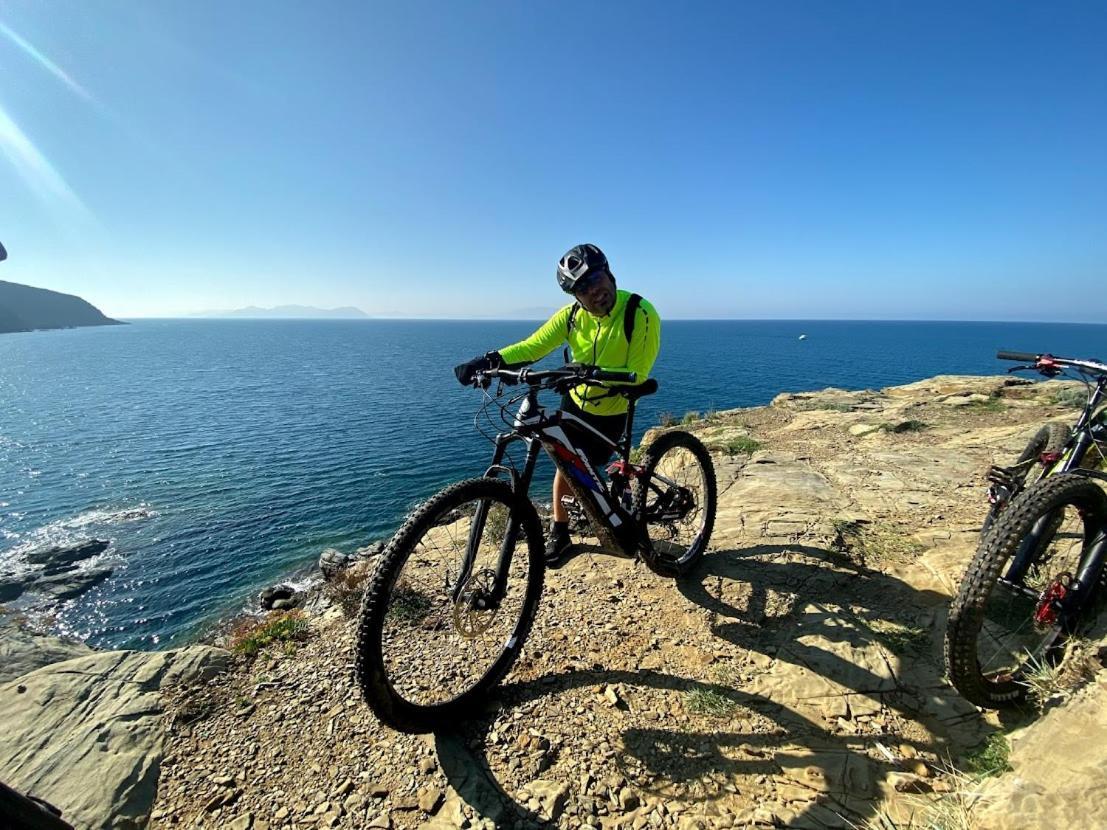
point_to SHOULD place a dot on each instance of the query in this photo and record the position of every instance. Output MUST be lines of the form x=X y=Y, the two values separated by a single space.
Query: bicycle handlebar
x=537 y=377
x=1047 y=361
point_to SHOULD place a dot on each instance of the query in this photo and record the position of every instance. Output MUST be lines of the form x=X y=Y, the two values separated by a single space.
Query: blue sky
x=433 y=159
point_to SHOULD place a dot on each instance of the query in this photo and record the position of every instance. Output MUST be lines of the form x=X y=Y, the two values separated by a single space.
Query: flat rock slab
x=86 y=734
x=22 y=652
x=1059 y=770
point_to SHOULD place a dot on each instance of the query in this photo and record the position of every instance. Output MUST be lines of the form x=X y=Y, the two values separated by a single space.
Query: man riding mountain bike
x=606 y=327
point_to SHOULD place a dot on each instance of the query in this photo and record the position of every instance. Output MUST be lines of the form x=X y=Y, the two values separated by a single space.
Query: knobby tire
x=655 y=453
x=370 y=664
x=1048 y=497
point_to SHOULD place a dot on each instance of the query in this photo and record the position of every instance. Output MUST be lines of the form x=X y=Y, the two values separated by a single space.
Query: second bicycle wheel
x=1048 y=441
x=1001 y=625
x=675 y=498
x=441 y=621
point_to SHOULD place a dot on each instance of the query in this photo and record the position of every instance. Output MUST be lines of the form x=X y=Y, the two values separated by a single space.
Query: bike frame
x=1094 y=556
x=540 y=431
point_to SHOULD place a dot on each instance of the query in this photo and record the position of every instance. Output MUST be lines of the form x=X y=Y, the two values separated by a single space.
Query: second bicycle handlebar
x=1048 y=361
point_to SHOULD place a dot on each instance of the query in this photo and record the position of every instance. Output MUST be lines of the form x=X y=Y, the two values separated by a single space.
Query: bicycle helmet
x=580 y=262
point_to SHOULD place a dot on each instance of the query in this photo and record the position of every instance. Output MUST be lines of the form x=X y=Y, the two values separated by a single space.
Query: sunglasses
x=588 y=282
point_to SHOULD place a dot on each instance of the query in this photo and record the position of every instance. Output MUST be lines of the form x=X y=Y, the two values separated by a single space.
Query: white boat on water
x=803 y=337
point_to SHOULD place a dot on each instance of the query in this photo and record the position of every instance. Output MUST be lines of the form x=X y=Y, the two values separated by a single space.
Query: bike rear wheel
x=433 y=635
x=1049 y=440
x=676 y=500
x=993 y=639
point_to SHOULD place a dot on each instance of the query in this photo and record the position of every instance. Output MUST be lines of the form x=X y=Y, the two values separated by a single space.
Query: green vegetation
x=952 y=810
x=990 y=758
x=833 y=406
x=871 y=544
x=495 y=525
x=904 y=640
x=1047 y=682
x=278 y=627
x=739 y=445
x=666 y=419
x=636 y=454
x=1072 y=398
x=710 y=702
x=408 y=605
x=347 y=587
x=990 y=405
x=690 y=418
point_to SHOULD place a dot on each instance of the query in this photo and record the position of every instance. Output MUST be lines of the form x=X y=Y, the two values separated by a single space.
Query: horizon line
x=398 y=318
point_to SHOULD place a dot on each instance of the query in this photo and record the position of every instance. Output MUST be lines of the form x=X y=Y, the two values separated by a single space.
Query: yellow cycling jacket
x=598 y=341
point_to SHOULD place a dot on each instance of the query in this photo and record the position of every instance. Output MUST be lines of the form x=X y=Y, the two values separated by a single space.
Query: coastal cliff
x=23 y=308
x=794 y=679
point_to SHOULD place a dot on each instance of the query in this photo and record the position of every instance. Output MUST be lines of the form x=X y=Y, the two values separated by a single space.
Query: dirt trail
x=793 y=679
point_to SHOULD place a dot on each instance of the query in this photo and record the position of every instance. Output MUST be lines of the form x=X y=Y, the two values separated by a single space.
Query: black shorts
x=595 y=450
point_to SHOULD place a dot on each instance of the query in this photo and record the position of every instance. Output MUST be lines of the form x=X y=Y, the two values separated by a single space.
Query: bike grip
x=616 y=377
x=1023 y=356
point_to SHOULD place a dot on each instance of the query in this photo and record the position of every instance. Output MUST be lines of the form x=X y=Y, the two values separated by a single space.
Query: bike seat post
x=629 y=437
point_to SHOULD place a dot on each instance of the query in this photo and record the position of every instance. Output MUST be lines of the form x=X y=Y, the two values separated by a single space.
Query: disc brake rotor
x=473 y=612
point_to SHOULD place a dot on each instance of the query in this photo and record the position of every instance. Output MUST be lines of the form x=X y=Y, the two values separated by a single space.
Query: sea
x=222 y=456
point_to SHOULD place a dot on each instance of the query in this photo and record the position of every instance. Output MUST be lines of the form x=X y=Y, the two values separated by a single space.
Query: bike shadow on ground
x=762 y=739
x=871 y=635
x=806 y=606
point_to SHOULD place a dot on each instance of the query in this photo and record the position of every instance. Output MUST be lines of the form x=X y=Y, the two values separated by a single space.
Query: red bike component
x=1048 y=458
x=624 y=468
x=1049 y=602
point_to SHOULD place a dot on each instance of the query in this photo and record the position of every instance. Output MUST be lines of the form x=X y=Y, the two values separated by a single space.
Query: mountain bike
x=456 y=590
x=1037 y=576
x=1055 y=447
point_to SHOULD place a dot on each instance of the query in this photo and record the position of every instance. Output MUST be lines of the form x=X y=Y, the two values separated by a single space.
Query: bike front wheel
x=1002 y=626
x=675 y=499
x=450 y=604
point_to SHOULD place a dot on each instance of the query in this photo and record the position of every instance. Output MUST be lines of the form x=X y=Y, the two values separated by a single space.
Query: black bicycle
x=1056 y=447
x=456 y=590
x=1037 y=577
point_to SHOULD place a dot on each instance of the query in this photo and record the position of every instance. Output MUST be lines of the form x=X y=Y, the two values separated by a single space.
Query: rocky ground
x=794 y=679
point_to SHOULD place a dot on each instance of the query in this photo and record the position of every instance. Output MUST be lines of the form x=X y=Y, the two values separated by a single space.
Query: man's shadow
x=672 y=757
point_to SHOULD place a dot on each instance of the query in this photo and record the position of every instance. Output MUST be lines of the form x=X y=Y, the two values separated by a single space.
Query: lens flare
x=46 y=63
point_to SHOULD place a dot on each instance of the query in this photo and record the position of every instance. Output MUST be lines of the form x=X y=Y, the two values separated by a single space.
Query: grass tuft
x=666 y=419
x=904 y=640
x=250 y=637
x=346 y=588
x=872 y=544
x=741 y=445
x=710 y=702
x=1047 y=683
x=990 y=405
x=990 y=758
x=690 y=418
x=408 y=605
x=1072 y=398
x=832 y=406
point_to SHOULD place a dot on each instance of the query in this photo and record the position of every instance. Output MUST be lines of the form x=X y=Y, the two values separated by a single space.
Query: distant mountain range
x=23 y=308
x=290 y=312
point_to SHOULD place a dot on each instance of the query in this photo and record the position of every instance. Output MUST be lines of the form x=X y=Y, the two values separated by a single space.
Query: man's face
x=597 y=295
